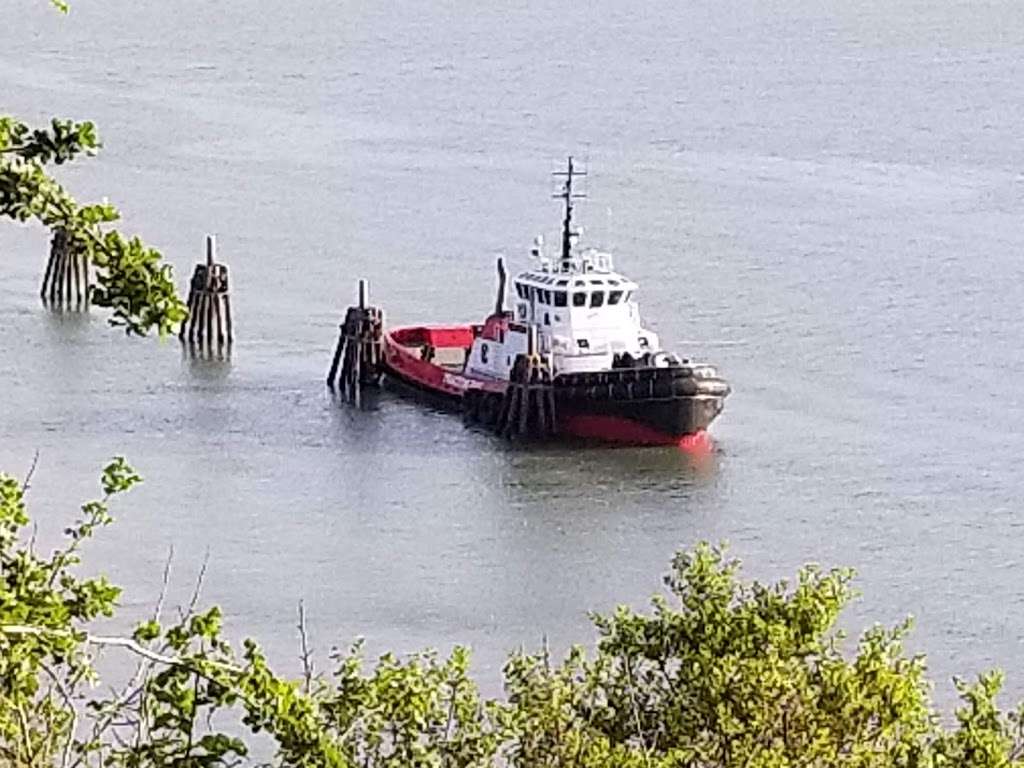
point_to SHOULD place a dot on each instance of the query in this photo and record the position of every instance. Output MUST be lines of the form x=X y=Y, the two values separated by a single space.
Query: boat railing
x=595 y=260
x=590 y=260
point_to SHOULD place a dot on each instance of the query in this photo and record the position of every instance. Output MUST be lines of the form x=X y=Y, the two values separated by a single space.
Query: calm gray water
x=825 y=198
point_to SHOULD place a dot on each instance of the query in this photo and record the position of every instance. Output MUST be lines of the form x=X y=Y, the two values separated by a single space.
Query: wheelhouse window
x=579 y=299
x=521 y=290
x=597 y=299
x=561 y=299
x=613 y=297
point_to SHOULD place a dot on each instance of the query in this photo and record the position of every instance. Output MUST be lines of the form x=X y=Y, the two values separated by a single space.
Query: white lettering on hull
x=461 y=383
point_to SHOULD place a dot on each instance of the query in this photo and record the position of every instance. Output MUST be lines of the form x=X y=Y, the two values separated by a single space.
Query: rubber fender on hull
x=650 y=387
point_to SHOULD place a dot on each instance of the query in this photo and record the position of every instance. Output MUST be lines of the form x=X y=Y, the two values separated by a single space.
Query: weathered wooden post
x=67 y=272
x=208 y=324
x=360 y=351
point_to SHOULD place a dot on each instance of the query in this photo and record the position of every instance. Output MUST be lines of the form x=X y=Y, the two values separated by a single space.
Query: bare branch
x=119 y=642
x=134 y=687
x=163 y=585
x=27 y=483
x=307 y=663
x=65 y=758
x=199 y=586
x=25 y=734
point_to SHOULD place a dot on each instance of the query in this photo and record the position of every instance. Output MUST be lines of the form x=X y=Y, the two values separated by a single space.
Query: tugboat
x=571 y=358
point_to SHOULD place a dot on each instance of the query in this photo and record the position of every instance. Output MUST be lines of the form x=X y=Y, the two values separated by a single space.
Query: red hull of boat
x=402 y=356
x=617 y=430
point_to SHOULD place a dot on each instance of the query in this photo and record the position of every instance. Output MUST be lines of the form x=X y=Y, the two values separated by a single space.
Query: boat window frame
x=596 y=299
x=614 y=297
x=561 y=299
x=576 y=296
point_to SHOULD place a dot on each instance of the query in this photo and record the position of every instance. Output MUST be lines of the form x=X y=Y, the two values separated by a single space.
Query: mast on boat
x=568 y=196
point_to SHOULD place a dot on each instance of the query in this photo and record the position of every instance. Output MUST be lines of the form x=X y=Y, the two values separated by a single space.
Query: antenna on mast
x=568 y=196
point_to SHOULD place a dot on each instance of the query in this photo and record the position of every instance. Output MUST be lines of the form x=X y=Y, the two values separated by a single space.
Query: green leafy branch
x=132 y=279
x=62 y=142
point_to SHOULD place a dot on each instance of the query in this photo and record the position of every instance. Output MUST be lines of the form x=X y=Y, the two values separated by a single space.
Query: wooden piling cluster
x=67 y=273
x=528 y=406
x=208 y=325
x=526 y=410
x=360 y=351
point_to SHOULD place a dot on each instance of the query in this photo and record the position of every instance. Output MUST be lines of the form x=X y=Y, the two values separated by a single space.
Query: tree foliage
x=720 y=673
x=132 y=279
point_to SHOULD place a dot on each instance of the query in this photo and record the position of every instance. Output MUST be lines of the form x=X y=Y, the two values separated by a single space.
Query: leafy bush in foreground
x=720 y=673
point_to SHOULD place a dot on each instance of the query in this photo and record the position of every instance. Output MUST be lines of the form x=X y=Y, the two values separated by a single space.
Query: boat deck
x=432 y=357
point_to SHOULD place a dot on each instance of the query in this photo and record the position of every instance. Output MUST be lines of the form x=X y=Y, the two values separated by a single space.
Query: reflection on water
x=67 y=323
x=203 y=360
x=607 y=473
